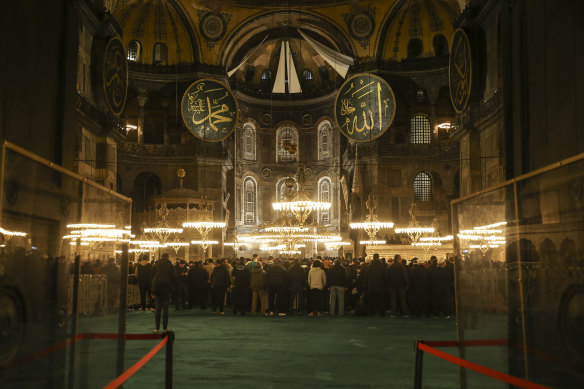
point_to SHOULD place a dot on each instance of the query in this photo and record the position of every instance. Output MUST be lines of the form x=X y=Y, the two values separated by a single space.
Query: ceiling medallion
x=267 y=119
x=361 y=25
x=307 y=119
x=266 y=172
x=213 y=26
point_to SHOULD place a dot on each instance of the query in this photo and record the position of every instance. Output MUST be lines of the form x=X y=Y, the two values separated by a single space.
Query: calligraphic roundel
x=115 y=75
x=209 y=110
x=364 y=107
x=460 y=70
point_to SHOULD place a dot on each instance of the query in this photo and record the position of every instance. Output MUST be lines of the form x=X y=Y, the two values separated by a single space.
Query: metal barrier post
x=418 y=365
x=122 y=309
x=74 y=316
x=169 y=346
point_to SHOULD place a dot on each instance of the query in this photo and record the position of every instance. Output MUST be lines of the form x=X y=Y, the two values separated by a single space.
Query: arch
x=420 y=129
x=146 y=186
x=548 y=250
x=568 y=251
x=248 y=142
x=249 y=201
x=160 y=54
x=325 y=195
x=287 y=144
x=415 y=48
x=440 y=44
x=247 y=36
x=135 y=51
x=281 y=189
x=423 y=187
x=324 y=140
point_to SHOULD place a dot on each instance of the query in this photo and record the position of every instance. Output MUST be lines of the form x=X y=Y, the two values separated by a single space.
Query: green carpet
x=281 y=352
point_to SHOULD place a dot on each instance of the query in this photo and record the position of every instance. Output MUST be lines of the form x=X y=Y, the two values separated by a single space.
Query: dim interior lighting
x=489 y=226
x=11 y=233
x=89 y=225
x=426 y=244
x=163 y=230
x=130 y=127
x=445 y=126
x=414 y=230
x=144 y=242
x=176 y=244
x=372 y=242
x=332 y=244
x=290 y=252
x=436 y=238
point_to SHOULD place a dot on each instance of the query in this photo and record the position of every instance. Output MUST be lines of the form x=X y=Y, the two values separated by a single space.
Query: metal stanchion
x=122 y=309
x=74 y=314
x=169 y=347
x=418 y=365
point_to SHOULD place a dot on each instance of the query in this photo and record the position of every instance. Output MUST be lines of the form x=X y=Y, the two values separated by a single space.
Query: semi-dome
x=155 y=33
x=420 y=29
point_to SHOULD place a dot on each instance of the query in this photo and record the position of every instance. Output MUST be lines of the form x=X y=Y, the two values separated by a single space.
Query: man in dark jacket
x=338 y=283
x=376 y=286
x=240 y=277
x=275 y=275
x=220 y=283
x=419 y=289
x=297 y=279
x=398 y=282
x=144 y=275
x=182 y=291
x=439 y=281
x=199 y=282
x=163 y=280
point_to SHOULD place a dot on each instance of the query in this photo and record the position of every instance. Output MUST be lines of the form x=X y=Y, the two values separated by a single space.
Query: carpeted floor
x=290 y=352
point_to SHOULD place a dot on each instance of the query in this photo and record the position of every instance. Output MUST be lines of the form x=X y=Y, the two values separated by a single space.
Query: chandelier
x=162 y=230
x=297 y=202
x=371 y=225
x=484 y=238
x=204 y=224
x=414 y=231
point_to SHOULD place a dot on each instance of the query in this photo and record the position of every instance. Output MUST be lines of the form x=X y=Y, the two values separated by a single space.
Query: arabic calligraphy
x=460 y=70
x=209 y=110
x=365 y=107
x=115 y=75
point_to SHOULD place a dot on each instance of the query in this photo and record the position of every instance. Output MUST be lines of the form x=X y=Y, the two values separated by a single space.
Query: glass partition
x=520 y=277
x=40 y=203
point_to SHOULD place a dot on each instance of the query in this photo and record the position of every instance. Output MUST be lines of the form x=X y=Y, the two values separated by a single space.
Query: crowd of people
x=282 y=286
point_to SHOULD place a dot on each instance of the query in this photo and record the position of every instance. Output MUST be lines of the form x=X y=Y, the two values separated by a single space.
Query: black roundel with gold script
x=209 y=110
x=460 y=70
x=364 y=107
x=115 y=75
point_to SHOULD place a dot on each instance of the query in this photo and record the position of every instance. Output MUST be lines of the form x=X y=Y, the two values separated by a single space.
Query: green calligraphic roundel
x=115 y=75
x=460 y=70
x=364 y=107
x=209 y=110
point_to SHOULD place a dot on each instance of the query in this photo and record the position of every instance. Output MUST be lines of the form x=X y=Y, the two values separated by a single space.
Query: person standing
x=275 y=275
x=220 y=283
x=338 y=281
x=112 y=274
x=398 y=282
x=316 y=283
x=297 y=278
x=144 y=276
x=258 y=286
x=199 y=280
x=163 y=279
x=374 y=278
x=240 y=277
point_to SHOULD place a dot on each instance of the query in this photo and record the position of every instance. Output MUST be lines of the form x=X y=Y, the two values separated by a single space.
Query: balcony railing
x=210 y=150
x=104 y=119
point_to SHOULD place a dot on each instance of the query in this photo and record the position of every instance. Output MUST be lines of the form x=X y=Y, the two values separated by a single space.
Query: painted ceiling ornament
x=115 y=75
x=364 y=107
x=361 y=25
x=209 y=110
x=213 y=26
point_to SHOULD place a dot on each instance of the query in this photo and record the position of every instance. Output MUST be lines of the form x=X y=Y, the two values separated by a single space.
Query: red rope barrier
x=454 y=343
x=137 y=366
x=481 y=369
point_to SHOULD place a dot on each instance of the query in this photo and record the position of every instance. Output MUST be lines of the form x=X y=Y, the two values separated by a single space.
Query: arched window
x=287 y=144
x=282 y=188
x=420 y=129
x=307 y=75
x=248 y=142
x=160 y=55
x=249 y=201
x=324 y=195
x=423 y=187
x=440 y=45
x=135 y=51
x=324 y=140
x=415 y=48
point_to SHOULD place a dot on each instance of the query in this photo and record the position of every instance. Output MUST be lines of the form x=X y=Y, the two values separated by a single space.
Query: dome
x=155 y=33
x=420 y=29
x=259 y=72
